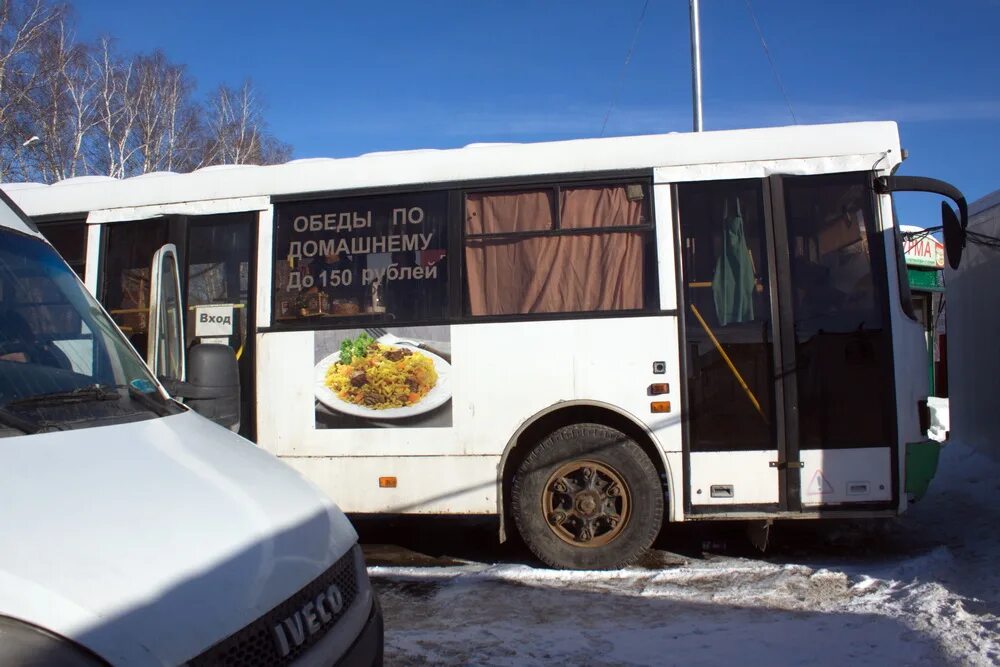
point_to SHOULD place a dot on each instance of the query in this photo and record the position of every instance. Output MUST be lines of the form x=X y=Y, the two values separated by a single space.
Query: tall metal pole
x=696 y=66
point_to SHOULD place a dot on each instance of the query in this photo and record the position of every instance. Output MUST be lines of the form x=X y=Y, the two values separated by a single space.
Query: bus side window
x=369 y=259
x=70 y=240
x=556 y=250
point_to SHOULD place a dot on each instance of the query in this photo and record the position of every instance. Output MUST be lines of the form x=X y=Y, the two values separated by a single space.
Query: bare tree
x=63 y=106
x=22 y=26
x=94 y=111
x=166 y=118
x=147 y=119
x=237 y=131
x=112 y=149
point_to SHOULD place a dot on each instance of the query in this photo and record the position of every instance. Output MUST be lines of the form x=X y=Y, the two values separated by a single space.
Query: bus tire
x=587 y=498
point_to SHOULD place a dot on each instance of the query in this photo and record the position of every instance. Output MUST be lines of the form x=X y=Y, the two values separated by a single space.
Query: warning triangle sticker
x=818 y=484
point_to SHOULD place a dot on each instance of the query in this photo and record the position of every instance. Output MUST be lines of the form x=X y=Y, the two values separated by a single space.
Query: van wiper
x=81 y=395
x=152 y=401
x=27 y=426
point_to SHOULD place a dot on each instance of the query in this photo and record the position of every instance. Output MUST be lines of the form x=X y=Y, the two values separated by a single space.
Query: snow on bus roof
x=473 y=162
x=412 y=151
x=82 y=180
x=220 y=167
x=156 y=174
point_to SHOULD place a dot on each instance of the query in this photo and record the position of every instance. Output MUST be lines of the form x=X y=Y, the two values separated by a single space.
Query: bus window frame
x=456 y=312
x=650 y=284
x=49 y=222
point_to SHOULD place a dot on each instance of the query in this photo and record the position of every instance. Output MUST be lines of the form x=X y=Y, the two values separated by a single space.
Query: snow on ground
x=924 y=592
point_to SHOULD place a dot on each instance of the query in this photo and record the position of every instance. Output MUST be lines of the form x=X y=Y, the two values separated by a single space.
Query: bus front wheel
x=588 y=498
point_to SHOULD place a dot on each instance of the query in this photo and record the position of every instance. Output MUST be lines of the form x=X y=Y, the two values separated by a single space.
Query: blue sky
x=341 y=78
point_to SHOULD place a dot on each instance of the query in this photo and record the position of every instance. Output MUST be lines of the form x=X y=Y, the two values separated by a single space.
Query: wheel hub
x=586 y=503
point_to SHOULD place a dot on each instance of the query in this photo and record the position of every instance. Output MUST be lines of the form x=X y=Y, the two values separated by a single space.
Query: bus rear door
x=787 y=350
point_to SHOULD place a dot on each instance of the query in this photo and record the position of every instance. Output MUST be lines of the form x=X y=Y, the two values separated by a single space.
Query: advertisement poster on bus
x=351 y=268
x=383 y=378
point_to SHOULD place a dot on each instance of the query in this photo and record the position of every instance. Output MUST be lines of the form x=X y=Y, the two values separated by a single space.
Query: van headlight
x=25 y=644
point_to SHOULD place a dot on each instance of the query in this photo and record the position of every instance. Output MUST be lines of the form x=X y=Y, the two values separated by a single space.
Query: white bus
x=583 y=338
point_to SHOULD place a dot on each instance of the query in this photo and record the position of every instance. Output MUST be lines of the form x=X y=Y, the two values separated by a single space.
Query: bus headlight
x=25 y=644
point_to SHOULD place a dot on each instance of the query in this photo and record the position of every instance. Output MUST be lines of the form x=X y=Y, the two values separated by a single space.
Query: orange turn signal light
x=659 y=388
x=659 y=406
x=387 y=482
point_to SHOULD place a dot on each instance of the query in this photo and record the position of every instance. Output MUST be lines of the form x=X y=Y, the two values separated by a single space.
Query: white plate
x=436 y=397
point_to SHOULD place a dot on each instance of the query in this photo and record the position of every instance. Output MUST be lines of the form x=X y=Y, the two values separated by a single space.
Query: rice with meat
x=386 y=377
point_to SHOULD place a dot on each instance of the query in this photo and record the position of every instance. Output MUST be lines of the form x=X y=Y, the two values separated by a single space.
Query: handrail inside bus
x=729 y=362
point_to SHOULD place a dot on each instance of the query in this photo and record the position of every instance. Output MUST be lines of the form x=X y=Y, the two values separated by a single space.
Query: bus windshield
x=62 y=362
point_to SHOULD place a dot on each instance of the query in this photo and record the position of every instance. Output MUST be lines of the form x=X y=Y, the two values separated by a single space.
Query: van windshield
x=63 y=364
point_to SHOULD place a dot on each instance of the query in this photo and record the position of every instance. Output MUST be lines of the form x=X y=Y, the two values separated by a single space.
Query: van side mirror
x=212 y=388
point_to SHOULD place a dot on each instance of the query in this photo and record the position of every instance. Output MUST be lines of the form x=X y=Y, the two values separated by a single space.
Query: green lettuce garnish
x=356 y=348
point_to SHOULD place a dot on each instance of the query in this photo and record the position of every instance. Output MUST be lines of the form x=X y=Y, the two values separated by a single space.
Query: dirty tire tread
x=603 y=444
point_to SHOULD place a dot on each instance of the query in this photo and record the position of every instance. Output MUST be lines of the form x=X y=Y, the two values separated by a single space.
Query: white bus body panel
x=909 y=358
x=503 y=375
x=750 y=475
x=764 y=168
x=265 y=237
x=424 y=484
x=840 y=476
x=151 y=541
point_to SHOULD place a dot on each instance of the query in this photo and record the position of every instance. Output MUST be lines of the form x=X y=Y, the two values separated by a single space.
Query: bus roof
x=473 y=162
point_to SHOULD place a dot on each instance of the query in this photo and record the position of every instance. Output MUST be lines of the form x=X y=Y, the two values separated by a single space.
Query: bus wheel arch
x=536 y=430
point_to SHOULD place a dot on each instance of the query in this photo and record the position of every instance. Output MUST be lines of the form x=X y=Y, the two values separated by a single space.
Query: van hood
x=151 y=541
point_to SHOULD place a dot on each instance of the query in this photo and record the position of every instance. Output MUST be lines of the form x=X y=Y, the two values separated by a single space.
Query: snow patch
x=931 y=597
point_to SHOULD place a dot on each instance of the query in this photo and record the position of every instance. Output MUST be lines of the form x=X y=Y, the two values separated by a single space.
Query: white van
x=135 y=531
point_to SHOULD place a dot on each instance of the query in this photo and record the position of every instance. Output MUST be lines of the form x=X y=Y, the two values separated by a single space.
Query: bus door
x=836 y=342
x=219 y=266
x=787 y=355
x=216 y=255
x=733 y=416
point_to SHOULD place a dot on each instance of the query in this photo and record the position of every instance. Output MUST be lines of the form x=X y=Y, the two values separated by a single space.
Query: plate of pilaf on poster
x=366 y=378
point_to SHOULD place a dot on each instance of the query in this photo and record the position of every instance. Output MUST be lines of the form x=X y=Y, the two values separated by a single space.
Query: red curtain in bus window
x=504 y=213
x=557 y=268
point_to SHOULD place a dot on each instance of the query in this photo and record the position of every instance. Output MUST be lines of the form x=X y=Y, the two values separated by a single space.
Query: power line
x=774 y=68
x=920 y=234
x=985 y=240
x=973 y=237
x=621 y=75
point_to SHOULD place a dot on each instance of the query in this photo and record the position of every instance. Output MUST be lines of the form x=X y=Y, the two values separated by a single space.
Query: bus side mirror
x=954 y=235
x=212 y=388
x=953 y=225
